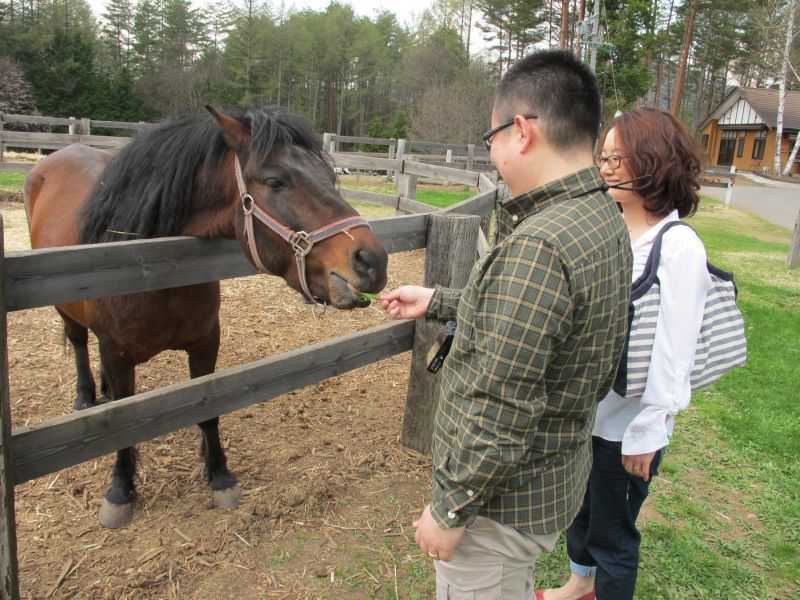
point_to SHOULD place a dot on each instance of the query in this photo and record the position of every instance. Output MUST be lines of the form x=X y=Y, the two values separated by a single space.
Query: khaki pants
x=492 y=562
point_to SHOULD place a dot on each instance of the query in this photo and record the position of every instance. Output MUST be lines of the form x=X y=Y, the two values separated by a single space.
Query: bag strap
x=650 y=273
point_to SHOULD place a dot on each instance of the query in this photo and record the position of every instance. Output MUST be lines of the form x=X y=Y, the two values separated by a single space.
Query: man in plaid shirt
x=540 y=328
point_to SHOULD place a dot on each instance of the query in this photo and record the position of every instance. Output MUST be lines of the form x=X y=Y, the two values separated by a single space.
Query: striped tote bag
x=721 y=344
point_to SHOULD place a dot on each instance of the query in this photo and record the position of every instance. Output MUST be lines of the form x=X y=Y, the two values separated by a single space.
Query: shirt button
x=451 y=515
x=470 y=493
x=514 y=218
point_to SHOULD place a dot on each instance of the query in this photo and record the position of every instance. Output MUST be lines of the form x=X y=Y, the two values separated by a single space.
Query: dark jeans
x=604 y=533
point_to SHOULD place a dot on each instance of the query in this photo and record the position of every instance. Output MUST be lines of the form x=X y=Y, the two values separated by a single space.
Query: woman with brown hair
x=631 y=430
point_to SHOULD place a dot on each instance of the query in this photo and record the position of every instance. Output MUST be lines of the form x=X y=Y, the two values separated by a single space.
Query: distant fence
x=77 y=131
x=457 y=156
x=35 y=278
x=461 y=156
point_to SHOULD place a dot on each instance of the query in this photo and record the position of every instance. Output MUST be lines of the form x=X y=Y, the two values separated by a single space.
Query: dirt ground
x=329 y=491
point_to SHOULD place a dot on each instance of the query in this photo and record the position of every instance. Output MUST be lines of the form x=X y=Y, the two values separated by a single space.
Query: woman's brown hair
x=657 y=144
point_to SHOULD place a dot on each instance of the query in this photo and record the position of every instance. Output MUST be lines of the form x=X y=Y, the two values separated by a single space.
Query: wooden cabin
x=741 y=130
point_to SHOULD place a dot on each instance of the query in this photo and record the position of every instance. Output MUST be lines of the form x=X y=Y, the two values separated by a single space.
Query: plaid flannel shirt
x=541 y=325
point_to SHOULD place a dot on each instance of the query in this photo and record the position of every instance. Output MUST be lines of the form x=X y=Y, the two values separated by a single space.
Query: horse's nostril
x=369 y=263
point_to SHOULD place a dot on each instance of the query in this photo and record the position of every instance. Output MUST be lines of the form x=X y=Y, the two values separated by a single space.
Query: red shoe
x=589 y=596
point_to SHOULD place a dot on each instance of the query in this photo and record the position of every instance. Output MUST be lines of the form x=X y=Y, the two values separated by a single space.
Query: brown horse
x=208 y=178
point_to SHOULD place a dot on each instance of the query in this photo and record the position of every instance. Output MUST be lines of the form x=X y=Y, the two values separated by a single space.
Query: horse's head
x=292 y=221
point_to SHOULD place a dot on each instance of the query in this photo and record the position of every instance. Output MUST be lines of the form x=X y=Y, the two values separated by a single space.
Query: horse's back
x=55 y=191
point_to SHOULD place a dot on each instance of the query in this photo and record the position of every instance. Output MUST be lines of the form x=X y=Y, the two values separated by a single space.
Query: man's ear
x=527 y=132
x=236 y=134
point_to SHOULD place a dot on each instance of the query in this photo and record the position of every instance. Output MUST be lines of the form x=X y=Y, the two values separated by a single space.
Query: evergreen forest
x=142 y=60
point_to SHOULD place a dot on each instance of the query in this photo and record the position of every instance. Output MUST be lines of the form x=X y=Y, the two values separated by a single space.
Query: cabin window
x=759 y=144
x=740 y=147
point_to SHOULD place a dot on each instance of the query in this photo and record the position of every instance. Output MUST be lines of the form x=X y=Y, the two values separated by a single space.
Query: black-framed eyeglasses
x=613 y=161
x=487 y=137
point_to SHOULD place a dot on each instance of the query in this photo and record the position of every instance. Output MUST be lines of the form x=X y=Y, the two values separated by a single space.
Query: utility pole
x=591 y=35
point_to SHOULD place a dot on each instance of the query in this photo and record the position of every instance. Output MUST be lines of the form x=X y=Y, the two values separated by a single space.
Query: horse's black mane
x=145 y=190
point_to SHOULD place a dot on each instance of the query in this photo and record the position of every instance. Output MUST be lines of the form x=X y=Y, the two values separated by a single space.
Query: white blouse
x=645 y=425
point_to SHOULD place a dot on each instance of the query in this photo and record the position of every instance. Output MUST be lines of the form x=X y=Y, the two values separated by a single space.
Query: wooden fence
x=458 y=156
x=77 y=131
x=58 y=275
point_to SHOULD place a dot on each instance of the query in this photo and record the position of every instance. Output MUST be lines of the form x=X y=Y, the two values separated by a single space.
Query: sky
x=406 y=11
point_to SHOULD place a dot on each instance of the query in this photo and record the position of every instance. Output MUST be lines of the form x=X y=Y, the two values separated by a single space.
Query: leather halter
x=300 y=241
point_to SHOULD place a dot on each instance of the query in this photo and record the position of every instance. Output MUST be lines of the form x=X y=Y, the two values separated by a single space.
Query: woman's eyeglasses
x=613 y=161
x=487 y=137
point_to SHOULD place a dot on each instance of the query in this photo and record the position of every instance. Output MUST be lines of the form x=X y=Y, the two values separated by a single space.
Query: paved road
x=776 y=205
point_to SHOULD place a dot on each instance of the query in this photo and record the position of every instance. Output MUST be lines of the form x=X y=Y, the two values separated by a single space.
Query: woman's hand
x=638 y=465
x=407 y=302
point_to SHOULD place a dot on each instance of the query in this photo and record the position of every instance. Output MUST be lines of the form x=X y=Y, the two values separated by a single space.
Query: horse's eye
x=275 y=184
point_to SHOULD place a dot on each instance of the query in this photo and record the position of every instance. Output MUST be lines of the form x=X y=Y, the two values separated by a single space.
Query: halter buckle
x=301 y=244
x=247 y=203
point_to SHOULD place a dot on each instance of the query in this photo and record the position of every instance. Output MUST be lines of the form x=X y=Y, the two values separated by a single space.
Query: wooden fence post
x=86 y=126
x=2 y=144
x=9 y=576
x=794 y=249
x=450 y=254
x=73 y=126
x=470 y=156
x=399 y=155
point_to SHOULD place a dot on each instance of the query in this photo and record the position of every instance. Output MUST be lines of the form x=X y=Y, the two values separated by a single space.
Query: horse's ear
x=235 y=133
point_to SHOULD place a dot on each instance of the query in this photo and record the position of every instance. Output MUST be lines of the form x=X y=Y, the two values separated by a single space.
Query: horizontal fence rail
x=45 y=277
x=80 y=436
x=33 y=139
x=67 y=121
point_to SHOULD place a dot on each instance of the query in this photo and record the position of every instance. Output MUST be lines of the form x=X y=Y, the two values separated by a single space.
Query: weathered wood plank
x=414 y=206
x=485 y=183
x=4 y=166
x=356 y=161
x=365 y=196
x=121 y=125
x=57 y=275
x=11 y=138
x=410 y=144
x=451 y=252
x=442 y=173
x=50 y=276
x=350 y=139
x=80 y=436
x=34 y=120
x=480 y=204
x=9 y=574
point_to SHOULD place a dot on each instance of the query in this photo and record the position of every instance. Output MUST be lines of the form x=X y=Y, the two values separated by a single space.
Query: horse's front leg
x=117 y=507
x=225 y=489
x=78 y=335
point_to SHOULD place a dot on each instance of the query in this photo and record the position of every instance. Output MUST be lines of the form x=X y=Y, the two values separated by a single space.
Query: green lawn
x=11 y=181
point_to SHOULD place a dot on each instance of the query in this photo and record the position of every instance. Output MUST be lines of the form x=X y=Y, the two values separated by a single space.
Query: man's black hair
x=560 y=90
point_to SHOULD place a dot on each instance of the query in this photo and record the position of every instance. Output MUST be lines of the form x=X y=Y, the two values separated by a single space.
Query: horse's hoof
x=113 y=515
x=81 y=404
x=229 y=498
